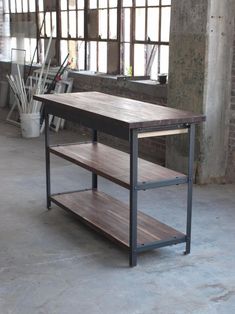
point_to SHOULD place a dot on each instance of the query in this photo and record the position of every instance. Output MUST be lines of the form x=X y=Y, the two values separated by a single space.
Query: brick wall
x=152 y=149
x=231 y=158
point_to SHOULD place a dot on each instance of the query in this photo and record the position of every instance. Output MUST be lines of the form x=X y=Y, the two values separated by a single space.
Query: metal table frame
x=134 y=135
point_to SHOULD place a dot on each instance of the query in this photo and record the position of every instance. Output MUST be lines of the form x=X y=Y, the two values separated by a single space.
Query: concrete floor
x=52 y=264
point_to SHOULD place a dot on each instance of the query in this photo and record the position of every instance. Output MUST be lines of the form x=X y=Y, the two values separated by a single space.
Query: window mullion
x=132 y=36
x=86 y=4
x=159 y=34
x=68 y=30
x=119 y=8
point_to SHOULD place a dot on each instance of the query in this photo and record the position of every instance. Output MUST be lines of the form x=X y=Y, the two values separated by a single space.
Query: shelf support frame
x=191 y=139
x=133 y=197
x=94 y=176
x=48 y=167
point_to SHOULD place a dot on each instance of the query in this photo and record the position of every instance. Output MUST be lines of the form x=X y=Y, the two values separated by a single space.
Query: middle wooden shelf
x=114 y=165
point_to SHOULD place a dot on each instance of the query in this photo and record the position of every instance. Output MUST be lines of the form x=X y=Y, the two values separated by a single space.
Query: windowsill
x=119 y=77
x=138 y=88
x=102 y=75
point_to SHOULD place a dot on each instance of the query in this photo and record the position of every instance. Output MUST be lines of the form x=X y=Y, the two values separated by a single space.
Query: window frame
x=86 y=38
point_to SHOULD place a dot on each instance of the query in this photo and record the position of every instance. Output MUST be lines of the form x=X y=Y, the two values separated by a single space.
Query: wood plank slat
x=113 y=164
x=162 y=133
x=111 y=217
x=117 y=111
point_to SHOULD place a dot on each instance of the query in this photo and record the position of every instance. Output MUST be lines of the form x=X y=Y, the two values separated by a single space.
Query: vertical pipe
x=190 y=187
x=94 y=176
x=48 y=174
x=133 y=197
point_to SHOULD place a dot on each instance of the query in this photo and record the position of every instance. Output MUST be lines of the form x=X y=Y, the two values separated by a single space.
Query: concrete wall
x=217 y=91
x=186 y=70
x=1 y=26
x=231 y=157
x=199 y=81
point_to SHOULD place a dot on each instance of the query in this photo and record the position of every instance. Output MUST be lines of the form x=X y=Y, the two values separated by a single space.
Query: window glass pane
x=166 y=2
x=33 y=44
x=25 y=6
x=92 y=55
x=113 y=24
x=63 y=50
x=139 y=60
x=72 y=4
x=80 y=4
x=153 y=2
x=54 y=24
x=153 y=24
x=72 y=46
x=126 y=63
x=165 y=27
x=32 y=7
x=81 y=55
x=13 y=42
x=103 y=57
x=127 y=3
x=63 y=5
x=64 y=24
x=93 y=4
x=140 y=3
x=103 y=4
x=164 y=59
x=6 y=30
x=41 y=18
x=6 y=6
x=41 y=50
x=18 y=6
x=126 y=24
x=140 y=24
x=152 y=61
x=103 y=14
x=112 y=3
x=48 y=24
x=72 y=24
x=27 y=44
x=81 y=24
x=12 y=6
x=40 y=5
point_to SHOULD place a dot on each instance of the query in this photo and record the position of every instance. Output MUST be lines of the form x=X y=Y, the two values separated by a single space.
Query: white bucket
x=30 y=124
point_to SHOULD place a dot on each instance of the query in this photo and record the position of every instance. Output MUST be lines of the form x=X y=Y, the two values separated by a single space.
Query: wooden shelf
x=110 y=217
x=113 y=164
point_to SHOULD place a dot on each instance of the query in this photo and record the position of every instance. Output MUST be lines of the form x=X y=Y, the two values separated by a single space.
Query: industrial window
x=109 y=36
x=22 y=30
x=145 y=32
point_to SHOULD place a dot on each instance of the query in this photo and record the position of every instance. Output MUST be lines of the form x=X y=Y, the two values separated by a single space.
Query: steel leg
x=190 y=187
x=94 y=176
x=48 y=172
x=133 y=197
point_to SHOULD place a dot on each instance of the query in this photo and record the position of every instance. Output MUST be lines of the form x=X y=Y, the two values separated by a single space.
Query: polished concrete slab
x=52 y=264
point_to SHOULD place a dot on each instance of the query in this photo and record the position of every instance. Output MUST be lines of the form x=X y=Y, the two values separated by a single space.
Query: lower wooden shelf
x=110 y=217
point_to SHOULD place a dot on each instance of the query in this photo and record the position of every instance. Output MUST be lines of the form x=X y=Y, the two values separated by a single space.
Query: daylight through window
x=109 y=36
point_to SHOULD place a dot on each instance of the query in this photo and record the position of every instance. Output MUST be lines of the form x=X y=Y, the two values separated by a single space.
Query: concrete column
x=200 y=81
x=1 y=27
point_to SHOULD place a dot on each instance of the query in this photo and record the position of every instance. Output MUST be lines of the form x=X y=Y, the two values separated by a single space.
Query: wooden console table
x=129 y=120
